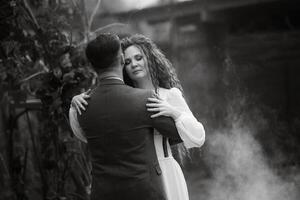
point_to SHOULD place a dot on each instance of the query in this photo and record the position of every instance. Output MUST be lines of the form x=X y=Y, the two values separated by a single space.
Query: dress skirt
x=172 y=175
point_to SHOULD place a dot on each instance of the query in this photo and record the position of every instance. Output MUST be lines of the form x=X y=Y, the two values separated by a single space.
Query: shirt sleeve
x=75 y=126
x=189 y=128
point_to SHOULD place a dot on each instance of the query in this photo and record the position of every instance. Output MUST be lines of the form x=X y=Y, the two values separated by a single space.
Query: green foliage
x=39 y=59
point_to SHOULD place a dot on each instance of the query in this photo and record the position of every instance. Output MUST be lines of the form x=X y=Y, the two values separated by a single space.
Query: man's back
x=120 y=137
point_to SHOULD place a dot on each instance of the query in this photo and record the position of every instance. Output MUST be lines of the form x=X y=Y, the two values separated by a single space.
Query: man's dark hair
x=103 y=51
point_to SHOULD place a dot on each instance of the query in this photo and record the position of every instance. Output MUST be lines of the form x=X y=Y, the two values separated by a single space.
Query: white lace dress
x=193 y=135
x=190 y=130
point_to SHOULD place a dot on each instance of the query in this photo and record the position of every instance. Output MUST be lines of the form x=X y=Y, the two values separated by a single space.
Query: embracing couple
x=133 y=116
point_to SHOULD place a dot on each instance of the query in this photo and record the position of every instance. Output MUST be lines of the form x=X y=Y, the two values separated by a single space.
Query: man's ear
x=122 y=59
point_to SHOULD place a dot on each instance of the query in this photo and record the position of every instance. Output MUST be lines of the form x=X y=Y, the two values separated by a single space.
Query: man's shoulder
x=122 y=93
x=140 y=91
x=135 y=93
x=135 y=99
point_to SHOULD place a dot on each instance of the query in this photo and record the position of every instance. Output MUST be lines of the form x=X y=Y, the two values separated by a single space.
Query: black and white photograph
x=150 y=100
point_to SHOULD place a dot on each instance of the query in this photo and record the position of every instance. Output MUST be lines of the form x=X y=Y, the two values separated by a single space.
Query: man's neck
x=110 y=74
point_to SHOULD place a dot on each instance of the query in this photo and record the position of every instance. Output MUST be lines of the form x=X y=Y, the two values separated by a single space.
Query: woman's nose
x=134 y=64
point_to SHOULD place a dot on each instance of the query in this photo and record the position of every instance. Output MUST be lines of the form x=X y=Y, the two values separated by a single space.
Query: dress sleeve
x=189 y=128
x=75 y=126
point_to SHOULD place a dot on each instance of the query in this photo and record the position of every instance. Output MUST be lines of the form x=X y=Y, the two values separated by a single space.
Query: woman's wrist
x=176 y=114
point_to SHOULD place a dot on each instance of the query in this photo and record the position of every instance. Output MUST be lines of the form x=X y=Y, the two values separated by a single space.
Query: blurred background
x=239 y=64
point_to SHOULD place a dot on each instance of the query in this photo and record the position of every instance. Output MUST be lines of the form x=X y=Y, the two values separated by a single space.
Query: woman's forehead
x=132 y=50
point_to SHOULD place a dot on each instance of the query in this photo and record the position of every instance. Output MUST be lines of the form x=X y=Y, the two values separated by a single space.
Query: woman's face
x=135 y=64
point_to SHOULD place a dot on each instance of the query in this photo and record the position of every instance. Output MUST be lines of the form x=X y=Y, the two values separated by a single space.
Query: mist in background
x=244 y=156
x=240 y=168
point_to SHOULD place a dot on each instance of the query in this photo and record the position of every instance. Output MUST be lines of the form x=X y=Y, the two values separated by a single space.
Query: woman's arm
x=78 y=132
x=189 y=128
x=78 y=103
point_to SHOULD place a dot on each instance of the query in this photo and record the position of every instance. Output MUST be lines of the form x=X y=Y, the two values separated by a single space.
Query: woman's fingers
x=157 y=96
x=83 y=101
x=88 y=92
x=154 y=109
x=153 y=105
x=157 y=114
x=154 y=100
x=86 y=96
x=78 y=109
x=81 y=106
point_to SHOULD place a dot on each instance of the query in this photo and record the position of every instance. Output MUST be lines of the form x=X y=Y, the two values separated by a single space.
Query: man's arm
x=166 y=127
x=163 y=124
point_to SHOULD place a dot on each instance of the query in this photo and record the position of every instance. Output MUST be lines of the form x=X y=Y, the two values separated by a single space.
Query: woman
x=146 y=67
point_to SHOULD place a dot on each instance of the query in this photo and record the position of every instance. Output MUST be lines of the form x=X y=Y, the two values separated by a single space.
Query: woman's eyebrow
x=134 y=55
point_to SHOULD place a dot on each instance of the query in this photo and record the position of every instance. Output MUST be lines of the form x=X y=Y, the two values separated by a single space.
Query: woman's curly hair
x=161 y=70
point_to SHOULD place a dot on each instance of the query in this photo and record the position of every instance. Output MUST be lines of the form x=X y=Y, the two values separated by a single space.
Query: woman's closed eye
x=127 y=61
x=138 y=57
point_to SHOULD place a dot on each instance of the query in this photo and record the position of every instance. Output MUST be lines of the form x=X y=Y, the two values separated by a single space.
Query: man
x=119 y=130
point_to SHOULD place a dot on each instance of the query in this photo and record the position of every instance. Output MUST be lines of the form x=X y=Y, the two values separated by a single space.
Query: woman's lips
x=137 y=71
